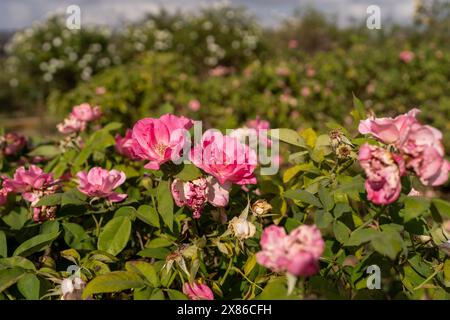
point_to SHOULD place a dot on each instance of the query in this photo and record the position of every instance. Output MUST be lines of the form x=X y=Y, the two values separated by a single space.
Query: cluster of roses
x=79 y=118
x=417 y=148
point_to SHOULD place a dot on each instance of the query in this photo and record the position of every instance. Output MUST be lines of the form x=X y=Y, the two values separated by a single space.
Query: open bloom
x=406 y=56
x=84 y=112
x=195 y=194
x=159 y=140
x=383 y=170
x=99 y=182
x=225 y=158
x=12 y=143
x=124 y=146
x=71 y=125
x=197 y=291
x=297 y=253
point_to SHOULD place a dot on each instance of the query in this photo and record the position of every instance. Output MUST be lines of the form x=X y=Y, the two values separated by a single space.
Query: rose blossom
x=383 y=170
x=12 y=143
x=197 y=291
x=194 y=105
x=71 y=125
x=406 y=56
x=297 y=253
x=195 y=194
x=225 y=158
x=124 y=146
x=293 y=44
x=241 y=228
x=99 y=182
x=84 y=112
x=3 y=196
x=158 y=140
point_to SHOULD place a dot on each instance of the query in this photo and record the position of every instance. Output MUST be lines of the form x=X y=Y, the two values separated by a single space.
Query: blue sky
x=21 y=13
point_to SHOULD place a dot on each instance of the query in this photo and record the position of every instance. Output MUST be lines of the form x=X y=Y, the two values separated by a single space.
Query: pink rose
x=99 y=182
x=219 y=71
x=159 y=140
x=194 y=105
x=71 y=125
x=124 y=146
x=225 y=158
x=297 y=253
x=195 y=194
x=100 y=91
x=12 y=143
x=293 y=44
x=3 y=196
x=197 y=291
x=383 y=170
x=84 y=112
x=406 y=56
x=389 y=130
x=305 y=92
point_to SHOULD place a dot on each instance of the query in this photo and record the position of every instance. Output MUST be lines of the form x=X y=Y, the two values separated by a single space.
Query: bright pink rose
x=406 y=56
x=194 y=105
x=197 y=291
x=84 y=112
x=195 y=194
x=99 y=182
x=389 y=130
x=425 y=154
x=124 y=146
x=12 y=143
x=297 y=253
x=225 y=158
x=159 y=140
x=383 y=170
x=71 y=125
x=3 y=196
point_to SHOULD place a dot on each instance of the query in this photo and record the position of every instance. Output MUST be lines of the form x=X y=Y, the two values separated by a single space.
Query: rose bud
x=261 y=207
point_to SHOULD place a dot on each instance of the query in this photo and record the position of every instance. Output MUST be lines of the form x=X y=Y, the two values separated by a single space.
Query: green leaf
x=115 y=235
x=71 y=255
x=360 y=236
x=414 y=207
x=442 y=207
x=250 y=264
x=158 y=243
x=47 y=151
x=18 y=261
x=322 y=219
x=50 y=200
x=16 y=219
x=35 y=244
x=76 y=237
x=157 y=253
x=303 y=196
x=175 y=295
x=113 y=282
x=326 y=198
x=275 y=290
x=148 y=214
x=73 y=197
x=189 y=172
x=287 y=135
x=165 y=203
x=359 y=108
x=8 y=277
x=3 y=245
x=388 y=243
x=146 y=270
x=126 y=211
x=29 y=286
x=341 y=231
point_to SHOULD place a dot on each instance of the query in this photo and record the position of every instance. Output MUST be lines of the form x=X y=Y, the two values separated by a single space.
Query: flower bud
x=241 y=228
x=261 y=207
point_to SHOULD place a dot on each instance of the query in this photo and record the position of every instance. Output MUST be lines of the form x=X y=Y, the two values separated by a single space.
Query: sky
x=17 y=14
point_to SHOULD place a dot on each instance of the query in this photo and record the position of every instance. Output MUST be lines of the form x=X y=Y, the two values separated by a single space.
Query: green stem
x=230 y=264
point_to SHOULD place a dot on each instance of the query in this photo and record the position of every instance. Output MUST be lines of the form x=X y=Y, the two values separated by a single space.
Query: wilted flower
x=195 y=194
x=12 y=143
x=297 y=253
x=225 y=158
x=124 y=146
x=197 y=291
x=84 y=112
x=241 y=228
x=99 y=182
x=159 y=140
x=72 y=288
x=261 y=207
x=383 y=170
x=71 y=125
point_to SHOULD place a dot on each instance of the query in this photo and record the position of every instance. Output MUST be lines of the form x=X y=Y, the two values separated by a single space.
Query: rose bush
x=98 y=215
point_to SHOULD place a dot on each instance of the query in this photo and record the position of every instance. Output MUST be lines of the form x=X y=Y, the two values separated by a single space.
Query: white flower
x=242 y=228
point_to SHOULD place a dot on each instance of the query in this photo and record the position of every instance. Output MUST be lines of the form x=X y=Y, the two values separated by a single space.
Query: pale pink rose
x=71 y=125
x=258 y=124
x=383 y=170
x=305 y=92
x=195 y=194
x=293 y=44
x=225 y=158
x=194 y=105
x=282 y=71
x=84 y=112
x=100 y=91
x=310 y=72
x=219 y=71
x=160 y=140
x=297 y=253
x=197 y=291
x=3 y=196
x=124 y=146
x=389 y=130
x=12 y=143
x=406 y=56
x=99 y=182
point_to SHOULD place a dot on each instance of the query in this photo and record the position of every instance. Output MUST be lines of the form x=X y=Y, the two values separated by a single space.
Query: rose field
x=205 y=156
